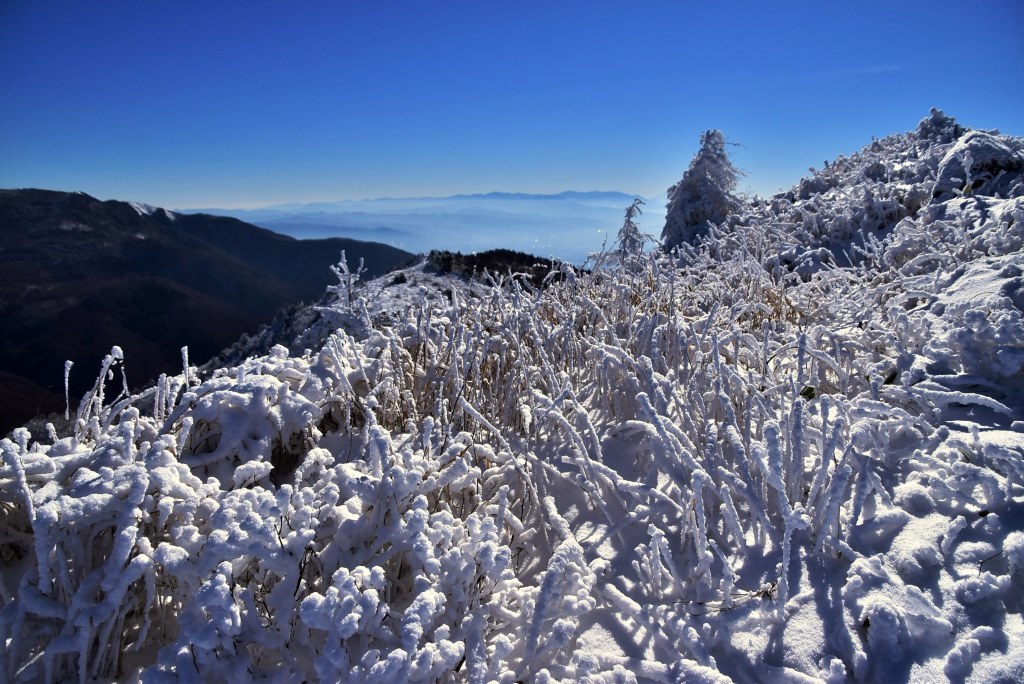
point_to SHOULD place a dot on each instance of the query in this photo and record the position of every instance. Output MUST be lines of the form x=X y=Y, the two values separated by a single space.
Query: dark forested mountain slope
x=79 y=275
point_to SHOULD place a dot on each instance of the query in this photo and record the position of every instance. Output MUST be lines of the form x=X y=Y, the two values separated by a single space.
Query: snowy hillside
x=793 y=452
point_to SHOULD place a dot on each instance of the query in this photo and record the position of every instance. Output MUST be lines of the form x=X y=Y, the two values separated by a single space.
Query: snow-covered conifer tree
x=629 y=243
x=704 y=195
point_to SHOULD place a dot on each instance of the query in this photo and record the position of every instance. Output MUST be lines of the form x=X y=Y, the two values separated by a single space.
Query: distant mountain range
x=568 y=225
x=79 y=275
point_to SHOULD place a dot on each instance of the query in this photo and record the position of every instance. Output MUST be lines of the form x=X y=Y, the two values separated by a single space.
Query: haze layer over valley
x=567 y=226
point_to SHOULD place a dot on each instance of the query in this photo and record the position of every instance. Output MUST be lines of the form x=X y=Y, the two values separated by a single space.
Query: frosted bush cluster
x=790 y=450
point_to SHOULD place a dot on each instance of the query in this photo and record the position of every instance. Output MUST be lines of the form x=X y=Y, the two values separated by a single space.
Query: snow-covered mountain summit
x=791 y=451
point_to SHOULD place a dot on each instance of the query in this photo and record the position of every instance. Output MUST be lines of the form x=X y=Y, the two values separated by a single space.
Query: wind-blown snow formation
x=791 y=452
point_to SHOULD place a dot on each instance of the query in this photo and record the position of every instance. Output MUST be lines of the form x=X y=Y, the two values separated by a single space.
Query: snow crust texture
x=792 y=451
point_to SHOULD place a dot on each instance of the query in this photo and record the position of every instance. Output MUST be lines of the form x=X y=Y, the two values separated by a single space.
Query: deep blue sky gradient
x=241 y=104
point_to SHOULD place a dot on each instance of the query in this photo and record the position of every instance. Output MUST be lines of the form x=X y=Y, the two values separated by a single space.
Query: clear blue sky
x=239 y=104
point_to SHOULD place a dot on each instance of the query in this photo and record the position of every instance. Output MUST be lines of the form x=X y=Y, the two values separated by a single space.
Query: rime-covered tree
x=629 y=243
x=704 y=195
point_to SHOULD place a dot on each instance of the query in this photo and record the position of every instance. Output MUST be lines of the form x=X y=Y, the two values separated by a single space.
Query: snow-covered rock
x=981 y=163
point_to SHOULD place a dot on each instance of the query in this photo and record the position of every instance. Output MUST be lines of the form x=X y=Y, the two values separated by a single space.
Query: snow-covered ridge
x=149 y=210
x=790 y=452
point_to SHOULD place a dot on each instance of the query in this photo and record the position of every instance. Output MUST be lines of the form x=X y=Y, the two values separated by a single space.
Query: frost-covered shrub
x=938 y=128
x=629 y=242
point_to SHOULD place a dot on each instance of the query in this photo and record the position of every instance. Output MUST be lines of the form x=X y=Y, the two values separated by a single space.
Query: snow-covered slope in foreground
x=791 y=453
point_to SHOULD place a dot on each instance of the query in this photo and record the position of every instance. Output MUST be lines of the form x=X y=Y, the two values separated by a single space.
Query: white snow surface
x=148 y=210
x=142 y=208
x=792 y=452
